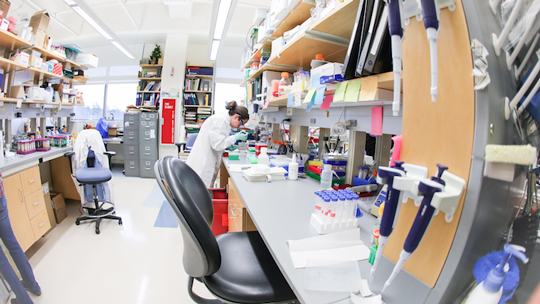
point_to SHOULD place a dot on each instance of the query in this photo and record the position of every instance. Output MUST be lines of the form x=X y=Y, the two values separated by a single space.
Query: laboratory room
x=269 y=151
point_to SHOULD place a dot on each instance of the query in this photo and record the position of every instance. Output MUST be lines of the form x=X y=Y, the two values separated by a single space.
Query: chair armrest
x=180 y=145
x=69 y=155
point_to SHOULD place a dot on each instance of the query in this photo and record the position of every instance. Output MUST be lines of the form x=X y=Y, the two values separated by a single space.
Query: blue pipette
x=431 y=22
x=427 y=188
x=395 y=27
x=386 y=176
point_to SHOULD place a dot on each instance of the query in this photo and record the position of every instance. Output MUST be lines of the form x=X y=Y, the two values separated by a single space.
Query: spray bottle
x=490 y=290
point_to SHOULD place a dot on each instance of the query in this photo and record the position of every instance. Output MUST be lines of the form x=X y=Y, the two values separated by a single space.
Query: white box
x=279 y=9
x=87 y=60
x=36 y=93
x=277 y=44
x=329 y=72
x=259 y=15
x=4 y=24
x=22 y=58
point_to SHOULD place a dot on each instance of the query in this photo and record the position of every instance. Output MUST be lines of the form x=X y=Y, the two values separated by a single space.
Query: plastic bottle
x=375 y=235
x=263 y=158
x=293 y=168
x=326 y=177
x=283 y=83
x=490 y=290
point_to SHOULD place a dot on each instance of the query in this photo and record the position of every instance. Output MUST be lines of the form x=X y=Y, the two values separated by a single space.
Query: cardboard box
x=40 y=21
x=326 y=73
x=59 y=206
x=35 y=61
x=4 y=7
x=16 y=91
x=87 y=60
x=39 y=38
x=48 y=204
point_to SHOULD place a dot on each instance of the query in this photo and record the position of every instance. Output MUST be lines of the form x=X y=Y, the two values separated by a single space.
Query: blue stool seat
x=93 y=175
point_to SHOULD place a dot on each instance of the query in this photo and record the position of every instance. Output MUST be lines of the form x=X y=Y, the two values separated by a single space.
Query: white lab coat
x=85 y=139
x=205 y=156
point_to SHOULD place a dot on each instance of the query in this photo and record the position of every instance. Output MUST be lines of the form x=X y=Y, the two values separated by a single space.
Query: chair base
x=98 y=220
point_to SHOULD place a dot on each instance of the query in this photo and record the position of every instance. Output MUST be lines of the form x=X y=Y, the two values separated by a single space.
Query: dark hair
x=236 y=109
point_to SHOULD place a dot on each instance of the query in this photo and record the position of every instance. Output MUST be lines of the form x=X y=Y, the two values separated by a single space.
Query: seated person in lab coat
x=213 y=139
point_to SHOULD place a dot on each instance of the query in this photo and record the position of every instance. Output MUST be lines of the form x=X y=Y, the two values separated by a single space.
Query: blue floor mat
x=155 y=198
x=166 y=217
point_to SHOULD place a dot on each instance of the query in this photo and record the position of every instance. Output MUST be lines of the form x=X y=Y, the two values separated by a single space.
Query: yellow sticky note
x=353 y=88
x=309 y=95
x=339 y=95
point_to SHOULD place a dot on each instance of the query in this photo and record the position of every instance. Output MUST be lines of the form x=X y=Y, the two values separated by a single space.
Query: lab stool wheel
x=119 y=222
x=97 y=230
x=77 y=222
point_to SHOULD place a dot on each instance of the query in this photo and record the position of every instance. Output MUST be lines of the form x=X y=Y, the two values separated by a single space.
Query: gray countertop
x=281 y=211
x=20 y=162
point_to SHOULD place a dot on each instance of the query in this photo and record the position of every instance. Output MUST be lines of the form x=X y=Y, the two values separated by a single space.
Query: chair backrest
x=190 y=141
x=190 y=200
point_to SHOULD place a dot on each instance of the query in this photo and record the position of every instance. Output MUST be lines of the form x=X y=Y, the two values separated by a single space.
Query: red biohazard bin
x=220 y=203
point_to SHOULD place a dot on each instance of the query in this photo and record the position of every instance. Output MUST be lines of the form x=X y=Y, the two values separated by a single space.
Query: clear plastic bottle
x=326 y=177
x=293 y=168
x=263 y=158
x=285 y=81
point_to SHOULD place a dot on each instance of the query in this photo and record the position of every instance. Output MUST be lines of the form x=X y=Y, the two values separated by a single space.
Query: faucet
x=112 y=115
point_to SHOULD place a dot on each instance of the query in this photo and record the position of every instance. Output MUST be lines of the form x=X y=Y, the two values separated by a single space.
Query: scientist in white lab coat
x=205 y=156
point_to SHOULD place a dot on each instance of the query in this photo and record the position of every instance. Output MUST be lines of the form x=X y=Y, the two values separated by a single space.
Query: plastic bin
x=220 y=202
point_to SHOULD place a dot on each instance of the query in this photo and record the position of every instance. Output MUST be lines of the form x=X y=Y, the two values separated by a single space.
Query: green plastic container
x=318 y=177
x=373 y=252
x=234 y=156
x=252 y=159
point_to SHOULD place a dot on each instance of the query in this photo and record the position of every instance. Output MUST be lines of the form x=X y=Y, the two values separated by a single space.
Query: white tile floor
x=132 y=263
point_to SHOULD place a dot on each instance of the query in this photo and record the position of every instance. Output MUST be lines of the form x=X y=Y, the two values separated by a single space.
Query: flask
x=326 y=177
x=293 y=168
x=283 y=83
x=263 y=158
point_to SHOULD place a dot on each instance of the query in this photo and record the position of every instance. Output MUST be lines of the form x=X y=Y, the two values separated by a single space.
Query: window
x=119 y=96
x=93 y=96
x=226 y=92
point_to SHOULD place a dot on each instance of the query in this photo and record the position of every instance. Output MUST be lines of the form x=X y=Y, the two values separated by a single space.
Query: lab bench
x=281 y=211
x=21 y=162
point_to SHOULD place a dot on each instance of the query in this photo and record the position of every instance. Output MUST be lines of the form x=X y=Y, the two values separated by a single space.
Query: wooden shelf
x=196 y=91
x=296 y=17
x=257 y=56
x=148 y=91
x=340 y=21
x=147 y=107
x=150 y=65
x=45 y=73
x=6 y=99
x=11 y=41
x=7 y=64
x=197 y=106
x=199 y=76
x=149 y=78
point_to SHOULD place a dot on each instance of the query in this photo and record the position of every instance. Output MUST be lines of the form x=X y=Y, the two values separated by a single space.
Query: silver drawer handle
x=232 y=211
x=146 y=153
x=131 y=137
x=37 y=203
x=147 y=138
x=132 y=167
x=32 y=181
x=131 y=153
x=41 y=225
x=147 y=168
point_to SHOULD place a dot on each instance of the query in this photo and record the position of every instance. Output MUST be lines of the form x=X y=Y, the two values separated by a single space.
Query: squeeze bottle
x=263 y=158
x=293 y=168
x=326 y=177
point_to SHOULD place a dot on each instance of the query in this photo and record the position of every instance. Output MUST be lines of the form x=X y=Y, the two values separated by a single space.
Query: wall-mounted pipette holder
x=451 y=4
x=323 y=228
x=406 y=183
x=448 y=199
x=412 y=8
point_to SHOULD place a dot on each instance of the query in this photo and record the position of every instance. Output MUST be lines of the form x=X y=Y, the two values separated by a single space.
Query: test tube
x=325 y=214
x=340 y=209
x=332 y=211
x=356 y=201
x=318 y=202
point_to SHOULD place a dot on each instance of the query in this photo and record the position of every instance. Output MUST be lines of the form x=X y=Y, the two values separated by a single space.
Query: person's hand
x=242 y=136
x=232 y=147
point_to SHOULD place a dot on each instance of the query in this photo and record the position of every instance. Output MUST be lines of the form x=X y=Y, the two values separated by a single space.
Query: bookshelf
x=149 y=89
x=198 y=87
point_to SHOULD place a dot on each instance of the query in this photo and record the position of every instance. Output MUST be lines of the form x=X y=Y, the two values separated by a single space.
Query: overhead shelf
x=258 y=54
x=149 y=78
x=199 y=76
x=197 y=91
x=297 y=16
x=150 y=65
x=197 y=106
x=148 y=92
x=7 y=64
x=339 y=21
x=45 y=73
x=8 y=39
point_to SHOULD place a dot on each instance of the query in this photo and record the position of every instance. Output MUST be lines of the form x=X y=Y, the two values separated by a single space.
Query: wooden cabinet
x=239 y=219
x=26 y=206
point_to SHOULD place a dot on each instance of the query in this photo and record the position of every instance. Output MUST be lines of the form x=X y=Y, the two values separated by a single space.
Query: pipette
x=427 y=188
x=431 y=22
x=386 y=176
x=395 y=27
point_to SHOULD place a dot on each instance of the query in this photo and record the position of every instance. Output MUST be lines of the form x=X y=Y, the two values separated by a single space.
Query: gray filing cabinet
x=140 y=143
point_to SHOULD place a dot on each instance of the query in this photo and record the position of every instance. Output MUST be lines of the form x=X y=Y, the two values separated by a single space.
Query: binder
x=374 y=19
x=380 y=53
x=357 y=39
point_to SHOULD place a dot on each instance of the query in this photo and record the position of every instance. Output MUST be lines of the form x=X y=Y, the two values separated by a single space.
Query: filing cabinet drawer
x=131 y=120
x=147 y=168
x=149 y=116
x=148 y=152
x=148 y=124
x=35 y=203
x=131 y=151
x=40 y=224
x=131 y=167
x=31 y=180
x=131 y=137
x=147 y=135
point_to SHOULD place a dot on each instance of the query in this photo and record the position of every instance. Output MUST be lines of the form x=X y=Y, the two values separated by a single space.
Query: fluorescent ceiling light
x=214 y=50
x=223 y=12
x=91 y=21
x=121 y=48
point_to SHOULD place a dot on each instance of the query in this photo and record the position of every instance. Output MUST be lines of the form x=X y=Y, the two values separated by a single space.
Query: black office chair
x=93 y=176
x=235 y=267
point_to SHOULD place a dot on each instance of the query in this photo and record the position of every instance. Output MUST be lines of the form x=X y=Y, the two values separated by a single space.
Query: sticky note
x=297 y=98
x=369 y=88
x=309 y=106
x=353 y=88
x=315 y=80
x=376 y=120
x=290 y=100
x=320 y=95
x=309 y=96
x=327 y=102
x=266 y=104
x=339 y=95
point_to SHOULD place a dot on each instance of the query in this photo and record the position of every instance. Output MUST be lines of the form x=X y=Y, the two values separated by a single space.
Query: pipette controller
x=431 y=22
x=426 y=188
x=386 y=176
x=395 y=27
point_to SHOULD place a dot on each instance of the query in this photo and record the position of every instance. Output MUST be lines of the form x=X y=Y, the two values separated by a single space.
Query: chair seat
x=93 y=175
x=248 y=273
